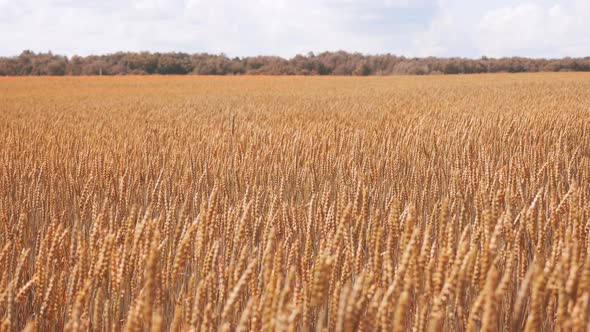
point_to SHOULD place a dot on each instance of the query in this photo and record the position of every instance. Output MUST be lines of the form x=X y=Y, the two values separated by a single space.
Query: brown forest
x=327 y=63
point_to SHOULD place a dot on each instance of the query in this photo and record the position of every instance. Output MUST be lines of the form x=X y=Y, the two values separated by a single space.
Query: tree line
x=326 y=63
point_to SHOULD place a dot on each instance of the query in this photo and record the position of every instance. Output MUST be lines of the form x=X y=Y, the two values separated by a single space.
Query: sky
x=445 y=28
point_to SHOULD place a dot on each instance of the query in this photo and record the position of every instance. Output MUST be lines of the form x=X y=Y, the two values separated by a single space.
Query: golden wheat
x=295 y=204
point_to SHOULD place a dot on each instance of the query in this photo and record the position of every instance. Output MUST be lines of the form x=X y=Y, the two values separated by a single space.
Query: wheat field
x=456 y=203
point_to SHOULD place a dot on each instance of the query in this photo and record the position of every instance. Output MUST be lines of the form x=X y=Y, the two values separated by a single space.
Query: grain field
x=295 y=204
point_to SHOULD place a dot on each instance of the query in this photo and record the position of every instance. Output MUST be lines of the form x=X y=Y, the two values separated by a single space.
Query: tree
x=325 y=63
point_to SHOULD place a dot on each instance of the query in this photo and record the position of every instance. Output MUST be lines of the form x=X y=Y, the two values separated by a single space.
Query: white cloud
x=540 y=28
x=548 y=30
x=288 y=27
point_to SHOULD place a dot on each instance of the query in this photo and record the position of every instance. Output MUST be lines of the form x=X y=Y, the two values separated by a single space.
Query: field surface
x=295 y=204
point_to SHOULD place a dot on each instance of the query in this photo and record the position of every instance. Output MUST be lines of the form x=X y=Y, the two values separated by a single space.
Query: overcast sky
x=466 y=28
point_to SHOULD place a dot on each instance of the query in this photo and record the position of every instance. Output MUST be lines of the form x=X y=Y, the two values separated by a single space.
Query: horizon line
x=309 y=54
